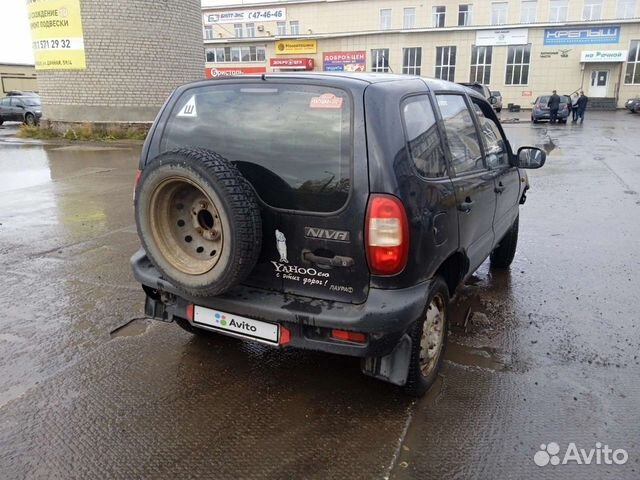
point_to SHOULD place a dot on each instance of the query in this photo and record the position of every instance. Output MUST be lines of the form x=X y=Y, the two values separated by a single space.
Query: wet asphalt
x=546 y=352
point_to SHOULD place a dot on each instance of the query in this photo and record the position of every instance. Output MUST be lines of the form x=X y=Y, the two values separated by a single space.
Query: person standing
x=554 y=106
x=582 y=105
x=574 y=106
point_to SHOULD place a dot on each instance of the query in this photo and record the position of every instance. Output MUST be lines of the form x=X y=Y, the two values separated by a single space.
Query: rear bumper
x=547 y=115
x=384 y=317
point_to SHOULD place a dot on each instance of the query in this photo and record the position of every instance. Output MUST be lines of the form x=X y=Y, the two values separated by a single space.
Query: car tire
x=503 y=254
x=30 y=119
x=198 y=220
x=498 y=110
x=534 y=120
x=428 y=340
x=1 y=121
x=563 y=121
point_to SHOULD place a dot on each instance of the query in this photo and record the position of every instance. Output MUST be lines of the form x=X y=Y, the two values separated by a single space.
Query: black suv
x=325 y=211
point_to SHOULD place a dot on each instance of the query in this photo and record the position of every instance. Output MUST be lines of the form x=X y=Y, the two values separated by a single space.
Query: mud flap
x=392 y=368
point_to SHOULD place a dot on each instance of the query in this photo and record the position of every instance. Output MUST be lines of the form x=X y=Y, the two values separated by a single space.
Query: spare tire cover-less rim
x=187 y=225
x=198 y=220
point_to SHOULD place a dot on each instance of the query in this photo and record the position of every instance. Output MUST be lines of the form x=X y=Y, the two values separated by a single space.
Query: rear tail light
x=348 y=336
x=285 y=336
x=189 y=312
x=386 y=235
x=136 y=182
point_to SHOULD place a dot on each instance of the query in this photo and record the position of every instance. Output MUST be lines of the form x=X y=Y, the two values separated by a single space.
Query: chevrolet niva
x=331 y=212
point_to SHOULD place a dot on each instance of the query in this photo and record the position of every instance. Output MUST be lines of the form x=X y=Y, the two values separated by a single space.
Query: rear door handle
x=500 y=188
x=466 y=206
x=335 y=261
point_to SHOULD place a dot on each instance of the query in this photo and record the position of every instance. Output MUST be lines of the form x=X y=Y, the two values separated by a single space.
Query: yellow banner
x=284 y=47
x=56 y=34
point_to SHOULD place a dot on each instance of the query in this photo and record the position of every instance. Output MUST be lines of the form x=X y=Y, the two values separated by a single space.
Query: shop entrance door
x=599 y=83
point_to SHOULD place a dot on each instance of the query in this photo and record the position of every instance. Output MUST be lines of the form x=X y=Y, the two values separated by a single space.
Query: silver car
x=496 y=100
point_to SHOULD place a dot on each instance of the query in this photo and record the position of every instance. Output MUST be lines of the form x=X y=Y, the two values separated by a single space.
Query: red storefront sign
x=216 y=72
x=300 y=63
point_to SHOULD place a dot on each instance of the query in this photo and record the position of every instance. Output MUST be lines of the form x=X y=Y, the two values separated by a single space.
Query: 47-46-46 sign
x=582 y=36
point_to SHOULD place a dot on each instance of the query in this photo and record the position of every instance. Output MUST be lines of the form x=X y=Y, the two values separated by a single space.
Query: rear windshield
x=292 y=142
x=545 y=99
x=31 y=101
x=496 y=93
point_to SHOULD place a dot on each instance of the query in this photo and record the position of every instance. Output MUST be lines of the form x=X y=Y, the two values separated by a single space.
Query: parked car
x=328 y=212
x=26 y=109
x=541 y=111
x=18 y=93
x=497 y=105
x=633 y=105
x=494 y=100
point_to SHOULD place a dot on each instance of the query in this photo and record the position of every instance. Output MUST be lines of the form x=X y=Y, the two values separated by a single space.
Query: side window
x=4 y=102
x=423 y=138
x=496 y=153
x=462 y=136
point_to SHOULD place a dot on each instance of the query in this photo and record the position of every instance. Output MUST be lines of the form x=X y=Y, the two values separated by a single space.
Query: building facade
x=522 y=48
x=17 y=76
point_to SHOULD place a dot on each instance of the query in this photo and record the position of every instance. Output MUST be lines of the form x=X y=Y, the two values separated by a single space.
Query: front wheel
x=503 y=254
x=498 y=110
x=30 y=120
x=428 y=340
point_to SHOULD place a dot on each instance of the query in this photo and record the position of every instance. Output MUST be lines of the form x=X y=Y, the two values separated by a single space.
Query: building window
x=237 y=28
x=464 y=15
x=446 y=63
x=294 y=27
x=208 y=32
x=528 y=11
x=498 y=13
x=558 y=10
x=518 y=59
x=282 y=28
x=439 y=14
x=409 y=18
x=592 y=10
x=481 y=65
x=235 y=54
x=251 y=29
x=411 y=60
x=380 y=60
x=385 y=19
x=626 y=9
x=632 y=76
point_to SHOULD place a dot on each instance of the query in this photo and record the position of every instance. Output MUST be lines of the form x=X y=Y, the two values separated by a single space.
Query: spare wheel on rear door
x=198 y=220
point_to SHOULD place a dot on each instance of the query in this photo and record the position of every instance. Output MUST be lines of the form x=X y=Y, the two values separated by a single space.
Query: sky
x=15 y=36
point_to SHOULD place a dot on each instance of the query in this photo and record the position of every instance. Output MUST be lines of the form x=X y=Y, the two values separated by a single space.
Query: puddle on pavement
x=132 y=328
x=483 y=357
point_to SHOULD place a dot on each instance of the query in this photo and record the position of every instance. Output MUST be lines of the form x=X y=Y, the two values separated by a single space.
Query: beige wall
x=17 y=77
x=554 y=71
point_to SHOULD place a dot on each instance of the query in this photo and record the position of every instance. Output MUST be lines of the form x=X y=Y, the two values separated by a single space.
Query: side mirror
x=530 y=157
x=493 y=100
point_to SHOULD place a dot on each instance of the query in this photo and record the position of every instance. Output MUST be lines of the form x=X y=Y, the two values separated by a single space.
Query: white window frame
x=282 y=28
x=250 y=28
x=238 y=29
x=521 y=64
x=445 y=64
x=436 y=16
x=376 y=53
x=294 y=27
x=503 y=15
x=468 y=15
x=412 y=68
x=635 y=62
x=224 y=54
x=528 y=11
x=479 y=60
x=208 y=32
x=558 y=10
x=409 y=17
x=626 y=9
x=592 y=10
x=385 y=19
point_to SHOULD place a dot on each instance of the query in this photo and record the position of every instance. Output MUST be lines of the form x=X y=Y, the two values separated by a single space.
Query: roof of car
x=371 y=78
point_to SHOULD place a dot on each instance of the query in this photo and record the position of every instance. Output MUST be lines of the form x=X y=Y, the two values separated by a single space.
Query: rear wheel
x=30 y=119
x=502 y=256
x=429 y=338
